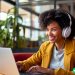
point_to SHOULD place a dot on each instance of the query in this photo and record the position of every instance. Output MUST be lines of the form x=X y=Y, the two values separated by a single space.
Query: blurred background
x=19 y=26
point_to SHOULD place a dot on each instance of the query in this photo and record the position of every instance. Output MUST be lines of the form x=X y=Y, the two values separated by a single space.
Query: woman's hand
x=19 y=65
x=38 y=69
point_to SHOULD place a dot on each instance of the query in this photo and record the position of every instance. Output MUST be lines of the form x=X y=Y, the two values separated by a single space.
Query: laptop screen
x=7 y=62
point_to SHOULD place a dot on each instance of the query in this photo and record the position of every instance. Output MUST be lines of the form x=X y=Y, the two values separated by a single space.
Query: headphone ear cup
x=66 y=32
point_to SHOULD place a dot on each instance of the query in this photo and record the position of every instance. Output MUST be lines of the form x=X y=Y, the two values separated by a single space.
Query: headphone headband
x=70 y=19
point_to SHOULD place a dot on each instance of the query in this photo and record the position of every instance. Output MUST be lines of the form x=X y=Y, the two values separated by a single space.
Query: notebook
x=7 y=62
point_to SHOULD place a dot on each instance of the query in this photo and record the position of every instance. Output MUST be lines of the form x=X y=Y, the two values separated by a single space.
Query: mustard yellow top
x=43 y=57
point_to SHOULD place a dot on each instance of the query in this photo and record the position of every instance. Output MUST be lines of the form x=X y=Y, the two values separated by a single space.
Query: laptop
x=7 y=62
x=8 y=65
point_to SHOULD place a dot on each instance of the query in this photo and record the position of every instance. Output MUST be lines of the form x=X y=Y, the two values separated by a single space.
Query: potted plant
x=7 y=39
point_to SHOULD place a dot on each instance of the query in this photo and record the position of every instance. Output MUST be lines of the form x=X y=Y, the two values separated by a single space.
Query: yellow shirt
x=44 y=55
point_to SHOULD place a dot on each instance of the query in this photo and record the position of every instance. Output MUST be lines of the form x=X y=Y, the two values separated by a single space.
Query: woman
x=56 y=56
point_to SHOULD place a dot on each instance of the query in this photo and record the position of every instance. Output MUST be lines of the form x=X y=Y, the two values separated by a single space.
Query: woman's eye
x=53 y=29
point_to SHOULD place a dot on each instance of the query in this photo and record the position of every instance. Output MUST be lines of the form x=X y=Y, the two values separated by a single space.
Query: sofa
x=21 y=56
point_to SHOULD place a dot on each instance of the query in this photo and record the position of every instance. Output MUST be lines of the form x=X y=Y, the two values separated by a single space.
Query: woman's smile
x=52 y=38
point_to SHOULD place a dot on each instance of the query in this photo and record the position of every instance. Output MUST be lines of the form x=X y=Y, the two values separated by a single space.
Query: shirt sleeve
x=35 y=59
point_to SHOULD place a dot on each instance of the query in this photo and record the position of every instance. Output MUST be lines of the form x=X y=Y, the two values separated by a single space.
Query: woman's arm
x=35 y=59
x=59 y=71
